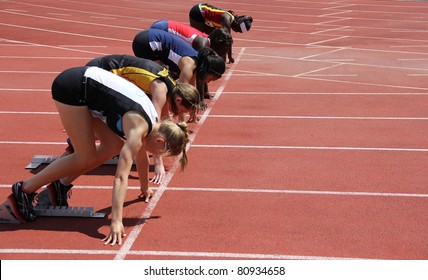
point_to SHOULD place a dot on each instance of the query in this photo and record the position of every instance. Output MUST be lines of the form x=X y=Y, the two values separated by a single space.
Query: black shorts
x=69 y=88
x=141 y=46
x=96 y=62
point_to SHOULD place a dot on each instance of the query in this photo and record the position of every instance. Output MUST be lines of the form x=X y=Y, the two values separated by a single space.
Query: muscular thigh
x=77 y=122
x=108 y=139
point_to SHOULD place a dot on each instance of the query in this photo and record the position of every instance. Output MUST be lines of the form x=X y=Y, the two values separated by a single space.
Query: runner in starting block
x=104 y=115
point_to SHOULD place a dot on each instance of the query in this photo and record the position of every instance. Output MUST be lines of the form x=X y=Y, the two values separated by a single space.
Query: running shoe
x=23 y=202
x=59 y=193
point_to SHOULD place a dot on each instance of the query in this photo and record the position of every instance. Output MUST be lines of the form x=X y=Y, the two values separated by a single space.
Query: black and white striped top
x=109 y=97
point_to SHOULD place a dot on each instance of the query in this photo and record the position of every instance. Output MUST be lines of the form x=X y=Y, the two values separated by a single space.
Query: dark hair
x=209 y=63
x=220 y=41
x=236 y=24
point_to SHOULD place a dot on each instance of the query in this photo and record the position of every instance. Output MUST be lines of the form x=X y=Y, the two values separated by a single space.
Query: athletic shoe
x=23 y=202
x=59 y=193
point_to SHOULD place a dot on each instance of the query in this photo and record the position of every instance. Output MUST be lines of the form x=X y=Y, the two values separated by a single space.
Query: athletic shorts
x=69 y=88
x=141 y=46
x=95 y=62
x=160 y=24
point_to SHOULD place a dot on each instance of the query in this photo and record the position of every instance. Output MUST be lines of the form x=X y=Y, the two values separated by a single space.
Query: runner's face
x=157 y=146
x=182 y=110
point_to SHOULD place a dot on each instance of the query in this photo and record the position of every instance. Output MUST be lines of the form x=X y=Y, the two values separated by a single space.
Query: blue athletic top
x=170 y=49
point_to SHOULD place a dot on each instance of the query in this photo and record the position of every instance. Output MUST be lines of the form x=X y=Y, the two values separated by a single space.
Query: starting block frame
x=8 y=212
x=70 y=211
x=38 y=160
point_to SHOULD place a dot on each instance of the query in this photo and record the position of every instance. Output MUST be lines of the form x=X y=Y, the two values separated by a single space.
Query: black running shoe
x=59 y=193
x=23 y=202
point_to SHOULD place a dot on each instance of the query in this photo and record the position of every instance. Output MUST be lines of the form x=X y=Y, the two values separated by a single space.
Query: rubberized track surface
x=314 y=146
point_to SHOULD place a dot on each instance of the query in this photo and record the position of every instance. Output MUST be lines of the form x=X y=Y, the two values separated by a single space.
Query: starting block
x=70 y=211
x=9 y=213
x=37 y=160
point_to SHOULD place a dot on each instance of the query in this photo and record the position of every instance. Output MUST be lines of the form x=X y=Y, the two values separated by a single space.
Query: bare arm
x=187 y=67
x=229 y=54
x=159 y=91
x=226 y=21
x=142 y=161
x=135 y=129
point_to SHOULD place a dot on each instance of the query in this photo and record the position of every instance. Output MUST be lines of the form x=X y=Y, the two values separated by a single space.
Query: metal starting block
x=70 y=211
x=37 y=160
x=9 y=212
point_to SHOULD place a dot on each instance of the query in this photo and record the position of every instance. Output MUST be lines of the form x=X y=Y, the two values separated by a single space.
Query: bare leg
x=110 y=146
x=77 y=121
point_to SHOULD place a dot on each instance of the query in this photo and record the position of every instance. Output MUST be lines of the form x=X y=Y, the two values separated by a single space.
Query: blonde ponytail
x=177 y=138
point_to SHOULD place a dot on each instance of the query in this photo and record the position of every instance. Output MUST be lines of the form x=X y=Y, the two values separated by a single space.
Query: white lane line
x=304 y=192
x=214 y=146
x=29 y=72
x=31 y=143
x=327 y=40
x=173 y=254
x=321 y=93
x=417 y=75
x=323 y=117
x=249 y=190
x=43 y=57
x=311 y=148
x=265 y=117
x=317 y=70
x=25 y=89
x=28 y=113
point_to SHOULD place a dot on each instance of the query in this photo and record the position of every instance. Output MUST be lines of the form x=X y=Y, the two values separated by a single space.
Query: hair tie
x=243 y=27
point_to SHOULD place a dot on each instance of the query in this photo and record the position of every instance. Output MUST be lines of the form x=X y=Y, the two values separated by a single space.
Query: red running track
x=314 y=147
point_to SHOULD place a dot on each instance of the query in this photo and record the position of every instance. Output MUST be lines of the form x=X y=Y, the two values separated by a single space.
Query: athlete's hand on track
x=146 y=194
x=117 y=232
x=203 y=105
x=159 y=171
x=159 y=176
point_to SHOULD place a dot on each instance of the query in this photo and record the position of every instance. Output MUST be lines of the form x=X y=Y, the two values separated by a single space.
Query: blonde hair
x=176 y=138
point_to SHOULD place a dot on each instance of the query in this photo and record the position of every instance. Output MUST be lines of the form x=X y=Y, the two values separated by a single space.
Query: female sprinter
x=96 y=104
x=219 y=39
x=206 y=18
x=183 y=62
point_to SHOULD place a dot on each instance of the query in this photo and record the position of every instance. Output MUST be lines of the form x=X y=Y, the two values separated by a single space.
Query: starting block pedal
x=9 y=213
x=37 y=160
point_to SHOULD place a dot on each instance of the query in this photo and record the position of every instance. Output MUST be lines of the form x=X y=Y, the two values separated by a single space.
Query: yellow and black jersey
x=212 y=15
x=142 y=72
